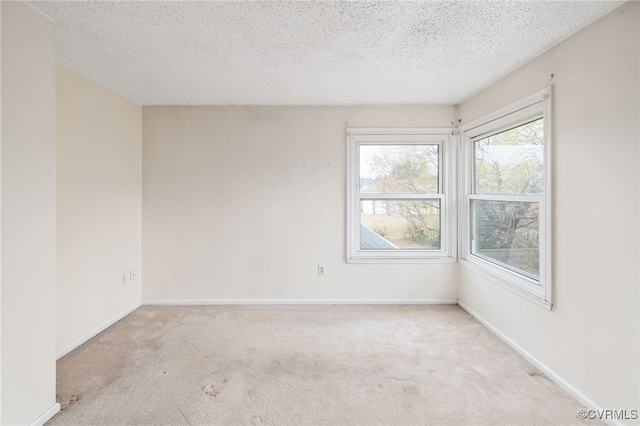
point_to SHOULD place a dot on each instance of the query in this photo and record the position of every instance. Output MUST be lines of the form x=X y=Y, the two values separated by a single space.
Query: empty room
x=364 y=213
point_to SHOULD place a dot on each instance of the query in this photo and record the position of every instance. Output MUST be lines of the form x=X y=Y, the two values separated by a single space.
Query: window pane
x=399 y=224
x=507 y=232
x=399 y=169
x=511 y=162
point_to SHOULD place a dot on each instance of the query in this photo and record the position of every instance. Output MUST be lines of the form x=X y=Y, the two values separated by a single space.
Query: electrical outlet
x=322 y=270
x=132 y=275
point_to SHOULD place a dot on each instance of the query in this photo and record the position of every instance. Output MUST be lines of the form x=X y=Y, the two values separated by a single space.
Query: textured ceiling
x=307 y=53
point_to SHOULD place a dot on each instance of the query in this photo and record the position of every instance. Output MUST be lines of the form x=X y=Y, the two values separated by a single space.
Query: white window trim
x=536 y=104
x=448 y=238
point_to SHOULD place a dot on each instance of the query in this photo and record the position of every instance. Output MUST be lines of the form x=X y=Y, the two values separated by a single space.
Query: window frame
x=448 y=217
x=532 y=107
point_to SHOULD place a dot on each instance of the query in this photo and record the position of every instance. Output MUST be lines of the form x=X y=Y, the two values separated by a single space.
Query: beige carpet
x=289 y=365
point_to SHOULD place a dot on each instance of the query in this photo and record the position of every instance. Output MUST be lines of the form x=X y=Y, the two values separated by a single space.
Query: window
x=398 y=186
x=507 y=197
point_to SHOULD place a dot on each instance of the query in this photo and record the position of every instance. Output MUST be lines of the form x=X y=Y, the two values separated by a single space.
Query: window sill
x=406 y=260
x=507 y=280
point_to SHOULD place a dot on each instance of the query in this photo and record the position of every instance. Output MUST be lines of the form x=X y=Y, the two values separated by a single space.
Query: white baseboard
x=557 y=379
x=47 y=415
x=97 y=330
x=171 y=302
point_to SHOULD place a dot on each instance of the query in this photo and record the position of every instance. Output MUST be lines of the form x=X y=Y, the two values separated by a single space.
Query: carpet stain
x=411 y=390
x=72 y=399
x=210 y=390
x=64 y=400
x=257 y=420
x=539 y=374
x=332 y=391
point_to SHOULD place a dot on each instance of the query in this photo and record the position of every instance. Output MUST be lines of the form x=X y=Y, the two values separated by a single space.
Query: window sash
x=506 y=197
x=474 y=251
x=404 y=140
x=527 y=119
x=427 y=218
x=381 y=196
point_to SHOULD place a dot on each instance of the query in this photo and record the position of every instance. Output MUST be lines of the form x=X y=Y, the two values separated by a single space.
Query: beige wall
x=28 y=214
x=590 y=338
x=99 y=209
x=245 y=202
